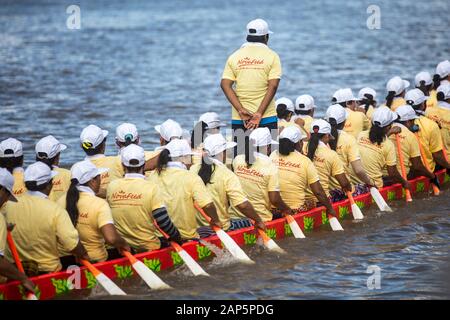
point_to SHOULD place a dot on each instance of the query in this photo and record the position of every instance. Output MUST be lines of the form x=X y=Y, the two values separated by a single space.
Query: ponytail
x=313 y=144
x=334 y=132
x=72 y=197
x=163 y=160
x=440 y=96
x=368 y=101
x=377 y=134
x=436 y=81
x=390 y=98
x=285 y=146
x=198 y=133
x=48 y=162
x=206 y=171
x=282 y=111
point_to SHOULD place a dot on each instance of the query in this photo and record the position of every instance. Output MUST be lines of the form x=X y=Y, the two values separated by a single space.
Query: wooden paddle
x=227 y=241
x=15 y=254
x=104 y=281
x=357 y=214
x=425 y=162
x=402 y=166
x=149 y=277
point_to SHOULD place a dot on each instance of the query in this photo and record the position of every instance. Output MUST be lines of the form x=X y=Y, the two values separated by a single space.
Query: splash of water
x=222 y=256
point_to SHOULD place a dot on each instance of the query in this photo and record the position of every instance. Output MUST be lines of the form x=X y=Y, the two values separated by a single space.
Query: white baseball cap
x=406 y=112
x=397 y=84
x=292 y=133
x=127 y=131
x=133 y=156
x=415 y=97
x=344 y=95
x=338 y=112
x=445 y=89
x=287 y=102
x=7 y=182
x=423 y=76
x=11 y=148
x=261 y=137
x=212 y=120
x=216 y=143
x=39 y=172
x=366 y=90
x=304 y=102
x=258 y=27
x=383 y=116
x=320 y=126
x=49 y=147
x=443 y=68
x=179 y=148
x=84 y=171
x=169 y=129
x=92 y=136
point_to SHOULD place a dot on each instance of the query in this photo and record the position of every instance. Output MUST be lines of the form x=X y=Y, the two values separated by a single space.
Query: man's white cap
x=11 y=148
x=292 y=133
x=215 y=144
x=133 y=156
x=397 y=84
x=48 y=147
x=383 y=116
x=366 y=90
x=258 y=27
x=443 y=68
x=85 y=171
x=338 y=112
x=320 y=126
x=406 y=112
x=261 y=137
x=7 y=182
x=415 y=97
x=212 y=120
x=445 y=89
x=127 y=131
x=92 y=136
x=304 y=102
x=169 y=129
x=344 y=95
x=179 y=148
x=287 y=102
x=423 y=76
x=39 y=172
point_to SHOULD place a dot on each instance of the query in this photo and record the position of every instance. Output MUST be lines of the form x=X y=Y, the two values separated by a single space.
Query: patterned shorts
x=337 y=195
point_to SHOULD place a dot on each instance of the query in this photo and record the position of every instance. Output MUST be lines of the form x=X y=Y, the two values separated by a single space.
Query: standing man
x=255 y=71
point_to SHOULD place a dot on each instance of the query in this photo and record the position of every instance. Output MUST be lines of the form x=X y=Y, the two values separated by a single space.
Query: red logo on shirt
x=249 y=62
x=122 y=195
x=248 y=171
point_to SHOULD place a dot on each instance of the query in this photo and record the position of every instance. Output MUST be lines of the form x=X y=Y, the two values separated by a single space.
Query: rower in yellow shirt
x=223 y=186
x=424 y=82
x=442 y=75
x=304 y=109
x=367 y=101
x=11 y=158
x=396 y=88
x=378 y=152
x=93 y=143
x=41 y=224
x=90 y=214
x=297 y=173
x=48 y=151
x=7 y=269
x=136 y=205
x=429 y=133
x=441 y=115
x=356 y=121
x=180 y=189
x=259 y=177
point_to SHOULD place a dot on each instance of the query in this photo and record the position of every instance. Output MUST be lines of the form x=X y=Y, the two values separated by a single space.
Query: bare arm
x=418 y=166
x=440 y=159
x=247 y=209
x=394 y=174
x=80 y=252
x=343 y=182
x=318 y=191
x=275 y=200
x=272 y=88
x=361 y=173
x=210 y=210
x=113 y=238
x=227 y=88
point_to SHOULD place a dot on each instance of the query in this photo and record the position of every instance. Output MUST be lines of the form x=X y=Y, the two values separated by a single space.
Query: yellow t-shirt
x=102 y=161
x=432 y=101
x=61 y=184
x=179 y=189
x=225 y=190
x=132 y=201
x=441 y=115
x=283 y=123
x=3 y=232
x=356 y=122
x=369 y=113
x=348 y=151
x=118 y=172
x=94 y=213
x=397 y=102
x=296 y=174
x=19 y=184
x=40 y=225
x=308 y=120
x=257 y=181
x=251 y=67
x=430 y=139
x=375 y=157
x=409 y=147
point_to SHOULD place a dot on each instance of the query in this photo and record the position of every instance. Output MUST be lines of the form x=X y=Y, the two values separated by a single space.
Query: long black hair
x=367 y=101
x=163 y=160
x=11 y=163
x=259 y=39
x=206 y=170
x=49 y=162
x=72 y=197
x=198 y=134
x=334 y=132
x=282 y=111
x=437 y=81
x=313 y=143
x=285 y=146
x=424 y=88
x=390 y=98
x=377 y=134
x=302 y=112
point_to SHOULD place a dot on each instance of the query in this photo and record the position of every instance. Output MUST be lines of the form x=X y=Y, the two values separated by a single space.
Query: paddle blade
x=150 y=278
x=108 y=285
x=379 y=200
x=196 y=269
x=269 y=243
x=408 y=195
x=296 y=230
x=232 y=246
x=31 y=296
x=335 y=225
x=356 y=211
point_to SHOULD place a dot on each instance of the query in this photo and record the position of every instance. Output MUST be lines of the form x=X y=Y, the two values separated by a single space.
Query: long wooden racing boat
x=55 y=284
